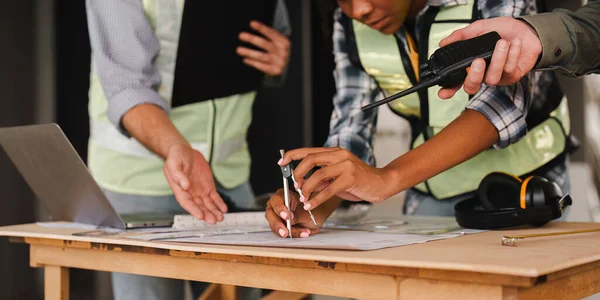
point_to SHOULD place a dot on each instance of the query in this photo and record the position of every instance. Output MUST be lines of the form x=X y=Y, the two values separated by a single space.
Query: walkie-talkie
x=448 y=66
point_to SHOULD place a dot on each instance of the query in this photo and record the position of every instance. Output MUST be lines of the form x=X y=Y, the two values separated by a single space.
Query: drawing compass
x=288 y=171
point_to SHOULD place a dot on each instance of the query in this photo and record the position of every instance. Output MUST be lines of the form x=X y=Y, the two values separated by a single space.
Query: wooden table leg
x=281 y=295
x=56 y=283
x=228 y=292
x=219 y=292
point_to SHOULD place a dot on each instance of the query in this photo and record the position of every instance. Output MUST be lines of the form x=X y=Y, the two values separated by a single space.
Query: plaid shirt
x=505 y=106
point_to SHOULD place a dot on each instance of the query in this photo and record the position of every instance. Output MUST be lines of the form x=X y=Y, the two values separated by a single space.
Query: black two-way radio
x=448 y=66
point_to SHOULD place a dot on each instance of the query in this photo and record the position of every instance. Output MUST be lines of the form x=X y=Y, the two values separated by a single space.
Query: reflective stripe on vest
x=217 y=128
x=380 y=58
x=543 y=143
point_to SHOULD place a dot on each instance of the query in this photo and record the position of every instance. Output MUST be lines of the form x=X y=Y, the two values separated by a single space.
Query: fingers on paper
x=275 y=214
x=212 y=213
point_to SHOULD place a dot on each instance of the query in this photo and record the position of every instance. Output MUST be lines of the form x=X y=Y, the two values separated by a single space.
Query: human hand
x=515 y=54
x=341 y=174
x=276 y=48
x=302 y=225
x=191 y=180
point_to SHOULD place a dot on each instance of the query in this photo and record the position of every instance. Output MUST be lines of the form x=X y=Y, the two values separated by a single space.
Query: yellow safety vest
x=380 y=57
x=217 y=128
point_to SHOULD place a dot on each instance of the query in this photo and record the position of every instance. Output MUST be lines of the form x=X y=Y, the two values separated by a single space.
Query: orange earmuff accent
x=524 y=192
x=511 y=175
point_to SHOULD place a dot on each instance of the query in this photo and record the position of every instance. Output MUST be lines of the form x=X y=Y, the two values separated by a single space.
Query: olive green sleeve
x=570 y=40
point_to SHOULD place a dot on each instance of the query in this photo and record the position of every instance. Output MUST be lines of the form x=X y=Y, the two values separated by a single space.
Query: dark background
x=17 y=279
x=20 y=67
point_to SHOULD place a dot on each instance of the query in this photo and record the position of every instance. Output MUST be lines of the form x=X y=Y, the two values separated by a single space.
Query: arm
x=123 y=60
x=344 y=175
x=123 y=49
x=465 y=137
x=494 y=117
x=568 y=42
x=576 y=34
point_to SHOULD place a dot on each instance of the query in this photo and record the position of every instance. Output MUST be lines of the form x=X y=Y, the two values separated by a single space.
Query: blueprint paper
x=325 y=239
x=179 y=234
x=252 y=229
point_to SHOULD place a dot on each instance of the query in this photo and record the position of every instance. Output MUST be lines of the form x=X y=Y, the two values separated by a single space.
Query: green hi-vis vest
x=380 y=56
x=217 y=128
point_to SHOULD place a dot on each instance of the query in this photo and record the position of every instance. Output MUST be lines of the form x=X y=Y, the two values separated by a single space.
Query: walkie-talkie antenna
x=439 y=78
x=423 y=85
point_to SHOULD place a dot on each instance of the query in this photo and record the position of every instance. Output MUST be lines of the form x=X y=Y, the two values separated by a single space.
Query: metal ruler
x=238 y=220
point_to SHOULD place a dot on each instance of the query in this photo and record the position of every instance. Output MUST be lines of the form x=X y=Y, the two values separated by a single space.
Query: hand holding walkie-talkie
x=448 y=66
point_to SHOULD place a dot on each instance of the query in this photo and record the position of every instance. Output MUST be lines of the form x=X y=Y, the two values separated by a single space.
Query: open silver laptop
x=59 y=178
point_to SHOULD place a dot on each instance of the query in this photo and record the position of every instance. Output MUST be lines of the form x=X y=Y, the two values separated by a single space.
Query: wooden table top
x=480 y=253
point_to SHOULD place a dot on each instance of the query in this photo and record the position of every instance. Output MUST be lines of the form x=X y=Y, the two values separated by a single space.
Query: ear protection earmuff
x=503 y=200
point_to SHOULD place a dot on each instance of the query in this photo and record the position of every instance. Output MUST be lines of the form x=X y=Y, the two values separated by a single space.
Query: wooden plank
x=478 y=277
x=95 y=245
x=281 y=295
x=33 y=262
x=575 y=286
x=56 y=283
x=427 y=289
x=212 y=292
x=572 y=271
x=318 y=281
x=479 y=253
x=482 y=278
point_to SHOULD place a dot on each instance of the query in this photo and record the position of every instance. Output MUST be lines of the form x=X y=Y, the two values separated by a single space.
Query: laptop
x=60 y=179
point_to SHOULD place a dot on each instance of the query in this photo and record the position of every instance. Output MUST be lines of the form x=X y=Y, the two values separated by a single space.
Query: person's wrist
x=392 y=179
x=323 y=211
x=538 y=27
x=535 y=37
x=175 y=144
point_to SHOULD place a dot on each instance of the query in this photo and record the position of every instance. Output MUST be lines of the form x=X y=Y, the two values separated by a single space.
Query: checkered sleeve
x=506 y=107
x=350 y=127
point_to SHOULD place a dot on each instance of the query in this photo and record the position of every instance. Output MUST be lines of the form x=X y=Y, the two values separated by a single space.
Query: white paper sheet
x=71 y=225
x=325 y=239
x=251 y=229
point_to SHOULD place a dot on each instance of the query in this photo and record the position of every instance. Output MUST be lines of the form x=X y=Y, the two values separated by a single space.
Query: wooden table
x=469 y=267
